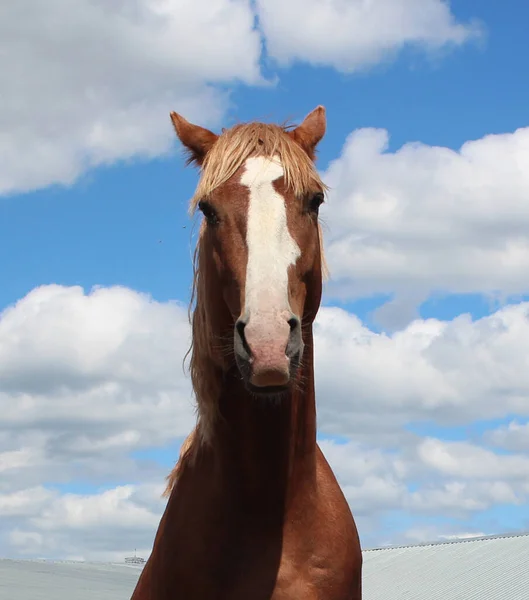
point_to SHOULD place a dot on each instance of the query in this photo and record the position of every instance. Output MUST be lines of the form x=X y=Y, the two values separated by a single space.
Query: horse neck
x=269 y=445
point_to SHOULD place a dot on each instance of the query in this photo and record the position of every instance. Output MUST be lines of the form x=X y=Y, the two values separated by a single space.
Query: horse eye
x=316 y=201
x=209 y=212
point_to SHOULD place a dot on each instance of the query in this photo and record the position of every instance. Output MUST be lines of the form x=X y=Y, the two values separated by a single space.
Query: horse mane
x=185 y=449
x=230 y=151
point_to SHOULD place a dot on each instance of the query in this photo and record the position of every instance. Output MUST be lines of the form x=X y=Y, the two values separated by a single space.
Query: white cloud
x=24 y=503
x=91 y=82
x=425 y=220
x=372 y=479
x=350 y=35
x=89 y=379
x=450 y=372
x=111 y=508
x=103 y=526
x=96 y=338
x=378 y=482
x=429 y=533
x=462 y=536
x=514 y=436
x=467 y=461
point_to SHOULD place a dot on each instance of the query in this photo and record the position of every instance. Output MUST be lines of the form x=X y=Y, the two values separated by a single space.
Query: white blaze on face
x=271 y=251
x=271 y=248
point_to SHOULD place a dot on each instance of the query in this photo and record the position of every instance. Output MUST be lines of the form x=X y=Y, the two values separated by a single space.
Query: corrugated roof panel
x=487 y=568
x=47 y=580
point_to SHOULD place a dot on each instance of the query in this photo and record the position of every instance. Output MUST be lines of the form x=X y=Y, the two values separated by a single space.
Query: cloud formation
x=87 y=379
x=350 y=36
x=427 y=220
x=92 y=83
x=92 y=386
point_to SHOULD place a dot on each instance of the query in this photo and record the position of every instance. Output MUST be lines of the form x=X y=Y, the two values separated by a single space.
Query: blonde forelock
x=237 y=144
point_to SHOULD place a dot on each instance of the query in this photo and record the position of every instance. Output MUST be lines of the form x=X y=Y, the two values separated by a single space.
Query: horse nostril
x=295 y=342
x=293 y=323
x=239 y=327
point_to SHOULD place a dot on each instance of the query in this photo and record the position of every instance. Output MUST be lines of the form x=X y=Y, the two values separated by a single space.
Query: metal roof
x=486 y=568
x=489 y=568
x=53 y=580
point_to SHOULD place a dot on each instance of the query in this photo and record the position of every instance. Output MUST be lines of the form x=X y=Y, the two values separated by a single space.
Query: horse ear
x=197 y=140
x=311 y=131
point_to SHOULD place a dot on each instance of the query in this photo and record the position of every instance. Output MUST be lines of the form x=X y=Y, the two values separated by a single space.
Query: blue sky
x=112 y=220
x=125 y=223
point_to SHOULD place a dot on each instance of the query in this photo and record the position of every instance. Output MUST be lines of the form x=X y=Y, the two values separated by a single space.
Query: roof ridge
x=461 y=540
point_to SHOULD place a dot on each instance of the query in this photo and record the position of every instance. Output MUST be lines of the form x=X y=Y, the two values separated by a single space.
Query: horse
x=254 y=511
